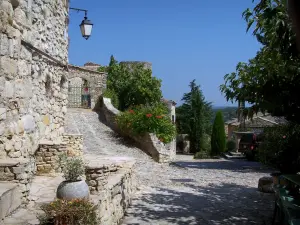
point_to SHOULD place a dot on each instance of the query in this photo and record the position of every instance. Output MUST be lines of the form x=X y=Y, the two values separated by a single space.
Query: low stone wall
x=74 y=144
x=47 y=156
x=112 y=184
x=19 y=171
x=149 y=143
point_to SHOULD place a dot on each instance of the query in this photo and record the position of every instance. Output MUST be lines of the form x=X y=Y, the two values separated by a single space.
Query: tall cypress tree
x=218 y=137
x=194 y=117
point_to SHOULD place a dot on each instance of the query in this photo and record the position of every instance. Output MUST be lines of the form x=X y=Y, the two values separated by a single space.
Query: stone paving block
x=10 y=198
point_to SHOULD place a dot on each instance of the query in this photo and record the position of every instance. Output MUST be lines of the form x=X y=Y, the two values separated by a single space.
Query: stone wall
x=18 y=171
x=149 y=143
x=146 y=65
x=74 y=144
x=96 y=81
x=182 y=144
x=47 y=155
x=33 y=87
x=112 y=184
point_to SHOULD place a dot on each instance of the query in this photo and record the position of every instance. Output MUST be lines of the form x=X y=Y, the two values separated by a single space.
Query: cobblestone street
x=184 y=192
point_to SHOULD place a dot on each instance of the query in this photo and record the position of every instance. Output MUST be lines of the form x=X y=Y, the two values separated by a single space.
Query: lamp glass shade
x=86 y=28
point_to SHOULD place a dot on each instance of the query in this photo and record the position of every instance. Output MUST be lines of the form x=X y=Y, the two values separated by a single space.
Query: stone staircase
x=234 y=155
x=98 y=138
x=22 y=193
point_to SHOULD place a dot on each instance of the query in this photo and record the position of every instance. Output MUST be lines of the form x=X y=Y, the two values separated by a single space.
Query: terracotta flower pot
x=69 y=190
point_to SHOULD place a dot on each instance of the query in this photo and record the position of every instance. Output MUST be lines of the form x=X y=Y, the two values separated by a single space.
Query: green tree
x=194 y=117
x=218 y=137
x=134 y=85
x=271 y=80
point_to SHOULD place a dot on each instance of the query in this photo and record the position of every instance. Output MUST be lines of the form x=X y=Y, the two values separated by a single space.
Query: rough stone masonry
x=33 y=87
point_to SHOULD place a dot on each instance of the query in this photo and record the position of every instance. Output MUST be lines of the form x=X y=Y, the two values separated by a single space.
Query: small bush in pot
x=74 y=187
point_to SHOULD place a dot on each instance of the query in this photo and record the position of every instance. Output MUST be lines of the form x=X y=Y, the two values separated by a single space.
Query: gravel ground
x=186 y=191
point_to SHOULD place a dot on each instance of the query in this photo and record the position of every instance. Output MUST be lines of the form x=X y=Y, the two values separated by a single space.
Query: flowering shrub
x=63 y=212
x=152 y=119
x=281 y=148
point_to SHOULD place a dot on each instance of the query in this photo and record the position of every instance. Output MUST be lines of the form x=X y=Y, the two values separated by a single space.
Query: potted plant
x=74 y=187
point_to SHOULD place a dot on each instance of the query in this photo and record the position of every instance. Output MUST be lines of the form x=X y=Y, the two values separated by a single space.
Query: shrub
x=281 y=147
x=218 y=137
x=113 y=96
x=205 y=144
x=230 y=145
x=251 y=155
x=73 y=168
x=75 y=212
x=152 y=119
x=202 y=155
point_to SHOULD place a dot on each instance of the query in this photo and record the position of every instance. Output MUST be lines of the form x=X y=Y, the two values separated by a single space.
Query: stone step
x=235 y=156
x=11 y=168
x=22 y=216
x=235 y=153
x=10 y=198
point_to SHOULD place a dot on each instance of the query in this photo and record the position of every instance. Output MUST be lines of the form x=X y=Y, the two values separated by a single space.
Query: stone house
x=172 y=108
x=35 y=82
x=255 y=125
x=85 y=85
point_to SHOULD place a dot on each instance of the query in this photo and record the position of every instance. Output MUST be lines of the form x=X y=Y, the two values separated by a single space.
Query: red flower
x=131 y=111
x=149 y=115
x=158 y=117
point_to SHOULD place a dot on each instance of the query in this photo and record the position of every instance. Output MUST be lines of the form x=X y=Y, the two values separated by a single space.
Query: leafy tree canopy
x=133 y=85
x=271 y=80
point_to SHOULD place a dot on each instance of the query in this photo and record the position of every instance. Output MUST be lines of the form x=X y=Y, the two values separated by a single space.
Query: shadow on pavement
x=190 y=205
x=235 y=165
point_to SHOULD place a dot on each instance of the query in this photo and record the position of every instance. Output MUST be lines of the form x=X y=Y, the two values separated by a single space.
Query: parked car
x=249 y=144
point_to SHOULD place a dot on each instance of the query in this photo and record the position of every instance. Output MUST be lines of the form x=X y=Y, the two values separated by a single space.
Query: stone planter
x=69 y=190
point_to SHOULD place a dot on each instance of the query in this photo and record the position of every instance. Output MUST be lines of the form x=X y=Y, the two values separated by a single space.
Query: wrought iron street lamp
x=86 y=25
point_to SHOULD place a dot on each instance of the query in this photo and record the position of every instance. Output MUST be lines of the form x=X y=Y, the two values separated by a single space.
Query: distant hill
x=229 y=112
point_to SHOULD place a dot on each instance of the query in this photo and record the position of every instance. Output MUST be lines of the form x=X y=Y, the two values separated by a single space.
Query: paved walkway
x=184 y=193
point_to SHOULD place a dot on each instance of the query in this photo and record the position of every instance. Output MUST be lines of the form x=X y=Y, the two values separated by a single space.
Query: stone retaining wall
x=21 y=172
x=112 y=184
x=149 y=143
x=47 y=156
x=74 y=144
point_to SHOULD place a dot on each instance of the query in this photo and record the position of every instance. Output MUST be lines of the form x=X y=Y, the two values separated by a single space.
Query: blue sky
x=183 y=39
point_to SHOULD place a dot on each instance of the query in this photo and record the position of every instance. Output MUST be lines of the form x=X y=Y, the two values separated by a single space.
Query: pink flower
x=284 y=137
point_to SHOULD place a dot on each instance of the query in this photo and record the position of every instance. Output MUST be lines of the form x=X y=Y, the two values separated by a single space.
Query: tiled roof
x=168 y=101
x=260 y=120
x=91 y=64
